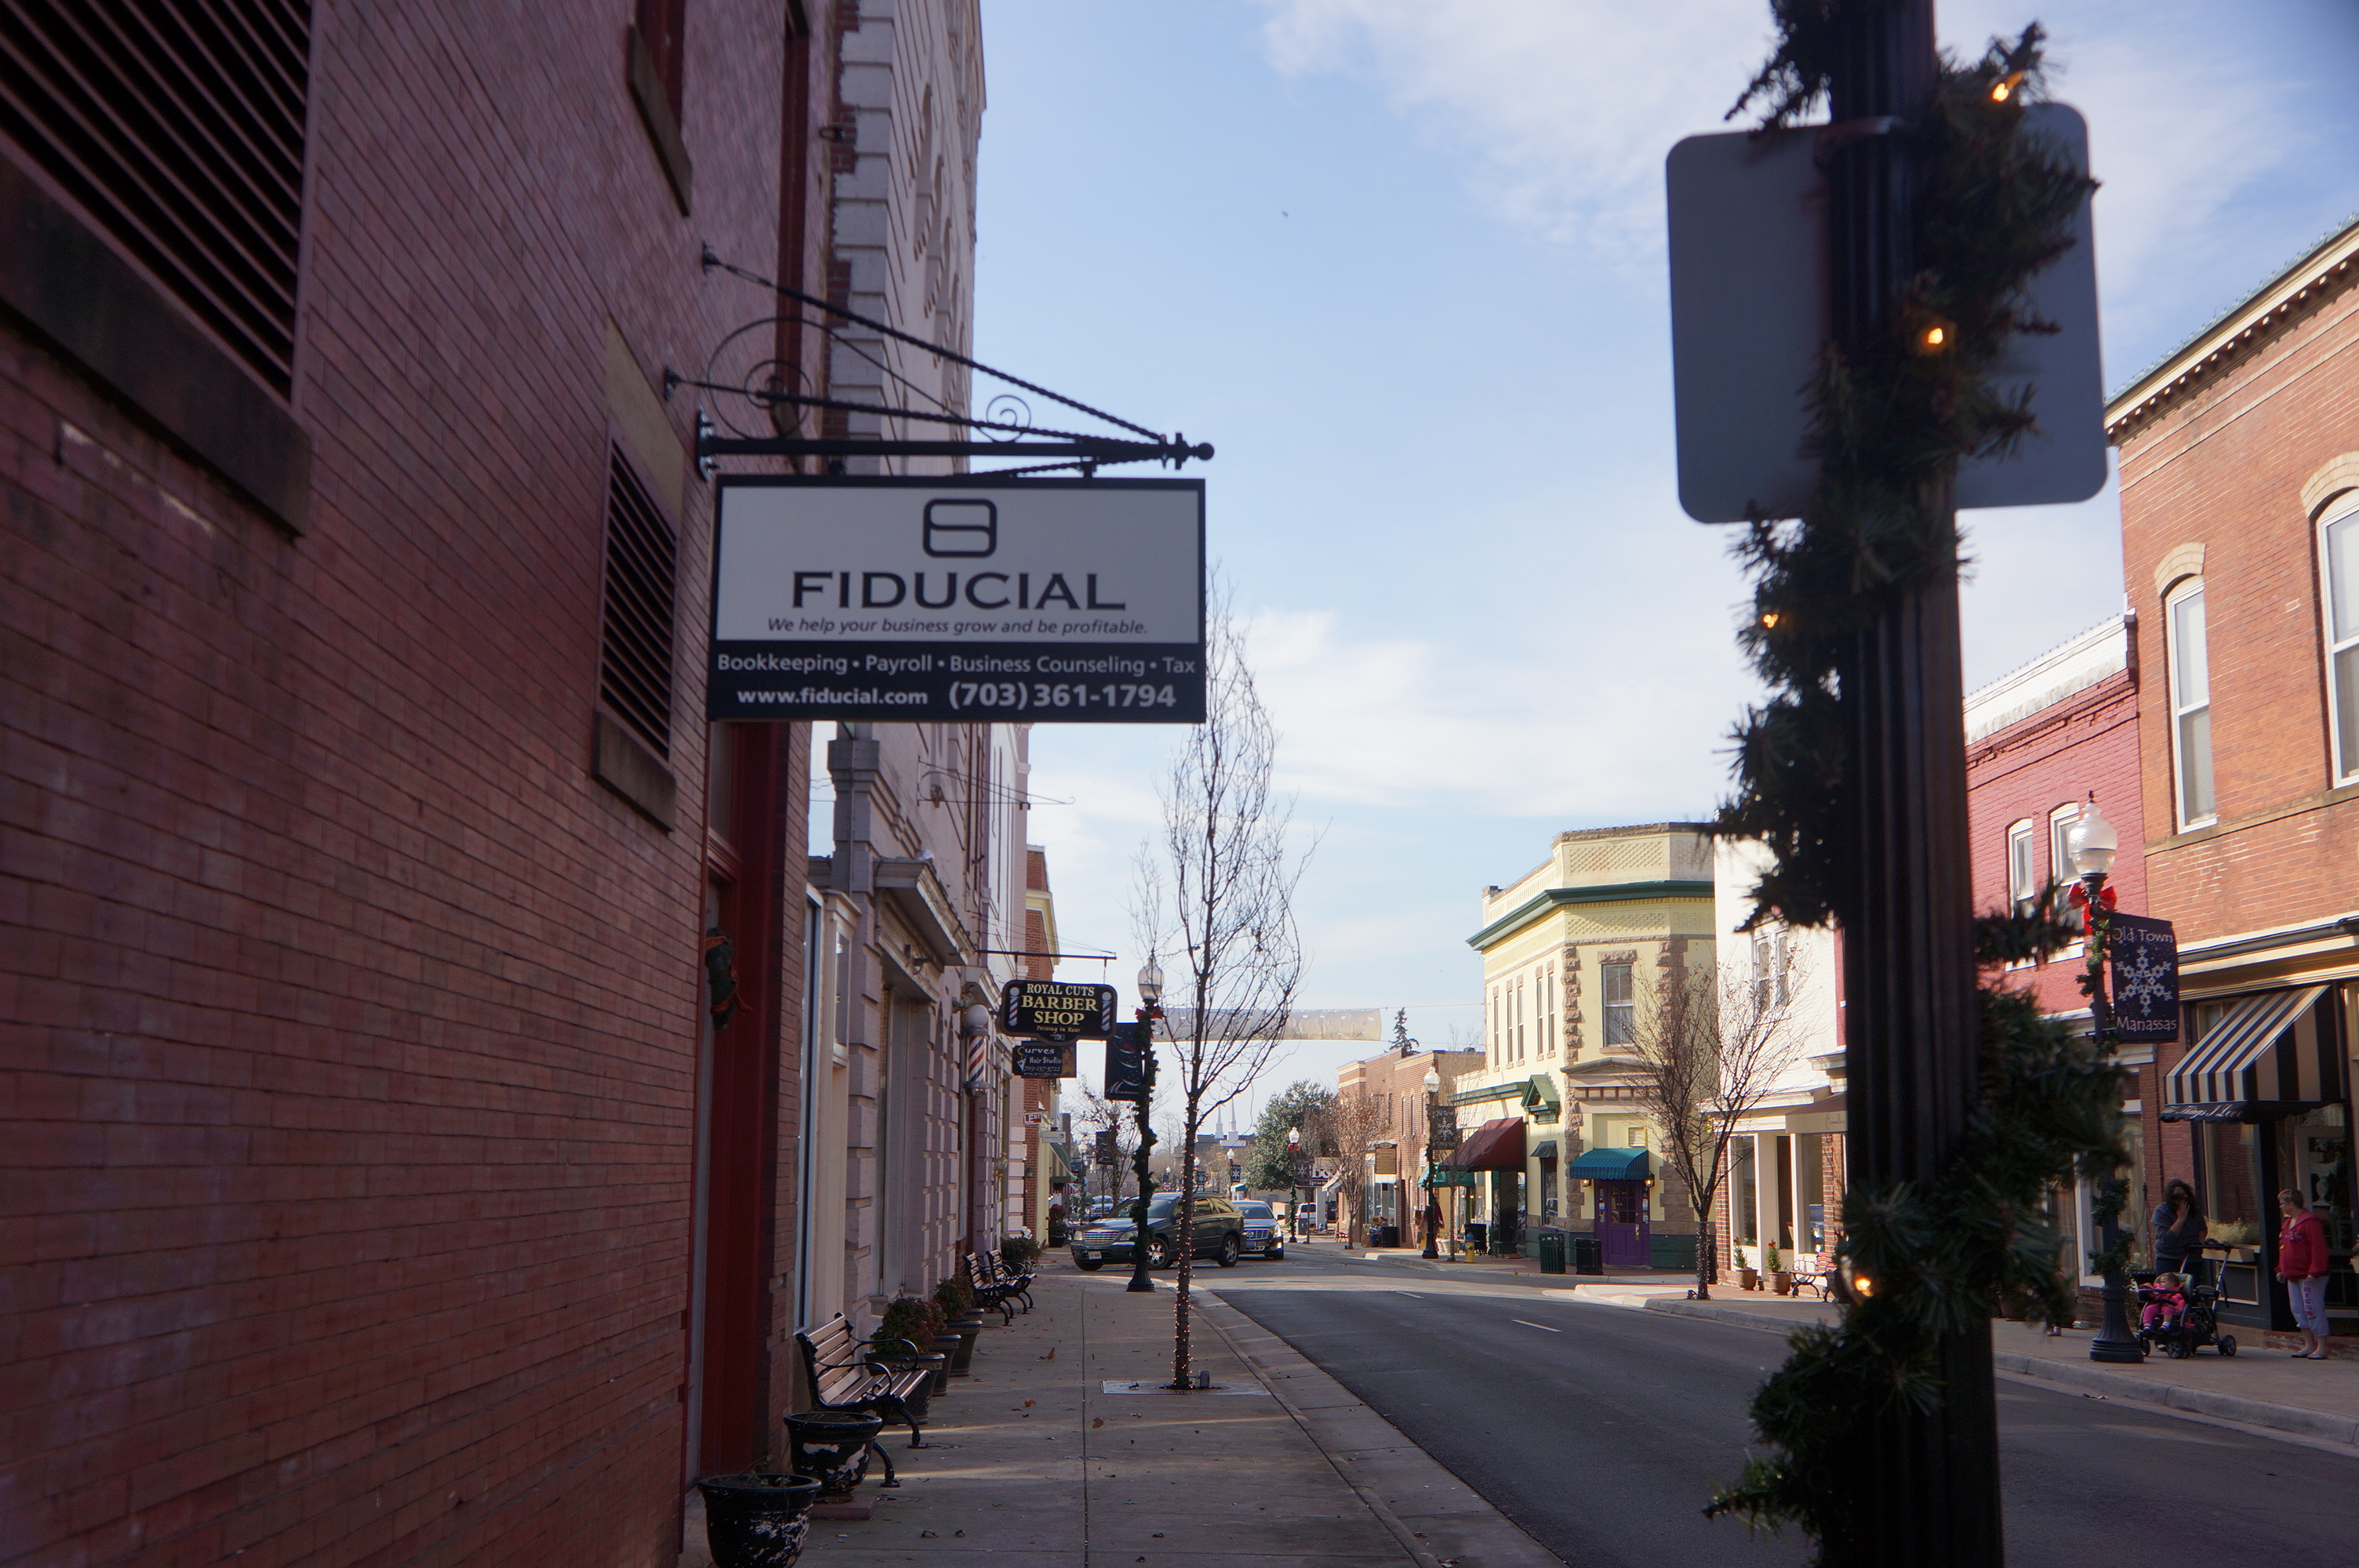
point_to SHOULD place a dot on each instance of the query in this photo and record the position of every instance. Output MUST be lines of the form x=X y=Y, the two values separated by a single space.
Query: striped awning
x=2236 y=1063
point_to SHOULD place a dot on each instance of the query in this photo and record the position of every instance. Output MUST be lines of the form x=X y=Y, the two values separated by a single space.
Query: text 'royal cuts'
x=941 y=599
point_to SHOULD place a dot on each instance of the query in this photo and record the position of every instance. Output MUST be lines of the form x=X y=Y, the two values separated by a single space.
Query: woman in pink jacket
x=2302 y=1264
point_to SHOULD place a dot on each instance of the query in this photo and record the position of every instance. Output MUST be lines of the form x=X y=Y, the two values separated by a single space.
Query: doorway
x=1624 y=1237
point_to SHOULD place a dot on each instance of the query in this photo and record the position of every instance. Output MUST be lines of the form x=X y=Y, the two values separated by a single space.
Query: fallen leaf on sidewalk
x=925 y=1535
x=1052 y=1356
x=1030 y=1403
x=956 y=1533
x=1097 y=1423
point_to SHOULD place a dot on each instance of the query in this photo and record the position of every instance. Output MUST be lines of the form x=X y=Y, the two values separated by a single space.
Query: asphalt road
x=1602 y=1430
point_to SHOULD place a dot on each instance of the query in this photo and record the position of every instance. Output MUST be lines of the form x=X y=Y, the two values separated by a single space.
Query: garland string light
x=1890 y=421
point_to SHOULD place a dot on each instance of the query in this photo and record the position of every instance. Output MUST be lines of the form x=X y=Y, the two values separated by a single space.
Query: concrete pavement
x=1036 y=1453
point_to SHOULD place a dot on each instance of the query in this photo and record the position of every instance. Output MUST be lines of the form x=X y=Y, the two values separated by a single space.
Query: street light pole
x=1150 y=992
x=1293 y=1180
x=1923 y=1484
x=1433 y=1203
x=2092 y=843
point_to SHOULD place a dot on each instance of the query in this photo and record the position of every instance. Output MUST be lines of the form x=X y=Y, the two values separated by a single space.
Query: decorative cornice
x=1532 y=908
x=2328 y=267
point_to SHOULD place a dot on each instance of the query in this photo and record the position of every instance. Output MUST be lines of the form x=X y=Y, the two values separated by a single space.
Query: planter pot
x=832 y=1447
x=962 y=1359
x=1748 y=1280
x=1782 y=1282
x=757 y=1520
x=946 y=1347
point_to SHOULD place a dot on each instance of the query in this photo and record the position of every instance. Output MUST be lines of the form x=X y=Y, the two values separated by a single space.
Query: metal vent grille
x=179 y=127
x=642 y=563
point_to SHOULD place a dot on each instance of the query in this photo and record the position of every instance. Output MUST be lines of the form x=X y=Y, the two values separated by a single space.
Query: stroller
x=2197 y=1327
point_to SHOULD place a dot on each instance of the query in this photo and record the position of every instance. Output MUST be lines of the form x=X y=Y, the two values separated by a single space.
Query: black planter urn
x=967 y=1329
x=832 y=1447
x=757 y=1520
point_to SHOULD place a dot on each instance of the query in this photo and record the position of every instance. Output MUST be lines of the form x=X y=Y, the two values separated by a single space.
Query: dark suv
x=1220 y=1234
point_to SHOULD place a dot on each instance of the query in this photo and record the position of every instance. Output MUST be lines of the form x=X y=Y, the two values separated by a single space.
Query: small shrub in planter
x=1779 y=1281
x=954 y=1299
x=1018 y=1252
x=907 y=1328
x=757 y=1519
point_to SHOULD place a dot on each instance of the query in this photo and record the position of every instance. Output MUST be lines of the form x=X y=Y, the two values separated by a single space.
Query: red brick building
x=2240 y=517
x=2040 y=741
x=358 y=837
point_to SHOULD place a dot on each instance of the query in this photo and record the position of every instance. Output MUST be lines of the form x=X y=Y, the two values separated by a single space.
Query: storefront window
x=2314 y=1158
x=1744 y=1192
x=1809 y=1178
x=2228 y=1176
x=1548 y=1192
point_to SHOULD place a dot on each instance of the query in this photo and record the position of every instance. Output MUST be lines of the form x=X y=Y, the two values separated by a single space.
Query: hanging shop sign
x=1045 y=1059
x=1105 y=1150
x=1041 y=600
x=2144 y=954
x=1748 y=254
x=1057 y=1009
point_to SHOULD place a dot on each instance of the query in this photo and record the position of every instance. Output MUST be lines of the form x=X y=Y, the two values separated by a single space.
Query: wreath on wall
x=1890 y=420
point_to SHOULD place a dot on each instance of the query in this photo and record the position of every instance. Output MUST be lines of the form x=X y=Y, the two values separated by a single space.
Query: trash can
x=1386 y=1236
x=1477 y=1237
x=1586 y=1260
x=1552 y=1251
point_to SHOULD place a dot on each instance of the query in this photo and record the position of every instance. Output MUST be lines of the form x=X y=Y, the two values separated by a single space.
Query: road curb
x=2321 y=1424
x=1484 y=1537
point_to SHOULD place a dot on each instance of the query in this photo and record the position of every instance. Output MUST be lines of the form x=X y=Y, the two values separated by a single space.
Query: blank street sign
x=1748 y=238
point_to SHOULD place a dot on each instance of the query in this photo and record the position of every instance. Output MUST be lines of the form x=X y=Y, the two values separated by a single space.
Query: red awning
x=1494 y=1146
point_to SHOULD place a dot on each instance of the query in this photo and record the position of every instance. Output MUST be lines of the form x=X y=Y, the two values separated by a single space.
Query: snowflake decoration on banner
x=2142 y=982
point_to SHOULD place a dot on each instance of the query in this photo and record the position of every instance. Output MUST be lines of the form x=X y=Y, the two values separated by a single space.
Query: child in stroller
x=2178 y=1317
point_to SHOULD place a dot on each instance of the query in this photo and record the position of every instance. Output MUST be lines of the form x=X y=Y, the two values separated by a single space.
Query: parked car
x=1264 y=1238
x=1220 y=1235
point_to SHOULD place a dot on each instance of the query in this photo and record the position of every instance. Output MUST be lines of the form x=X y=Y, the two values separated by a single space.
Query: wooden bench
x=845 y=1375
x=994 y=1287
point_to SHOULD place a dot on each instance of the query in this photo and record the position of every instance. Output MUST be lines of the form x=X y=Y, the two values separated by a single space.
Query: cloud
x=1524 y=729
x=1569 y=107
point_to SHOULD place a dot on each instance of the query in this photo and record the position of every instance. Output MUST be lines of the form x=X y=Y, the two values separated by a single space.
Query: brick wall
x=353 y=1024
x=2222 y=465
x=2053 y=758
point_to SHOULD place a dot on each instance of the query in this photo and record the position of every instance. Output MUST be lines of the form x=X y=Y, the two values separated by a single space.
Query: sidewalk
x=1035 y=1454
x=2260 y=1387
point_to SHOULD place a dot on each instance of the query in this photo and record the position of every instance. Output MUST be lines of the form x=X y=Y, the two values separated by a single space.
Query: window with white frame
x=2022 y=867
x=2191 y=702
x=2337 y=562
x=1494 y=1026
x=2060 y=867
x=1621 y=1010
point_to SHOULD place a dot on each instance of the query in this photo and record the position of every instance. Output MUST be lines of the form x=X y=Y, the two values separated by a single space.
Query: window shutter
x=179 y=130
x=642 y=565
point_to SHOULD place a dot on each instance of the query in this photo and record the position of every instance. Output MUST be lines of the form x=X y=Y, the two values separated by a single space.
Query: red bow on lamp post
x=2081 y=897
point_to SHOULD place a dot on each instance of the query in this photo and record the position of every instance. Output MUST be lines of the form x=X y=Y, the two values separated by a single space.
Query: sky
x=1402 y=262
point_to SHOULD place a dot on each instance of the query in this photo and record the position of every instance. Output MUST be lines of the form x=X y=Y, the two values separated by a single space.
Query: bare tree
x=1099 y=1114
x=1216 y=894
x=1711 y=1045
x=1343 y=1128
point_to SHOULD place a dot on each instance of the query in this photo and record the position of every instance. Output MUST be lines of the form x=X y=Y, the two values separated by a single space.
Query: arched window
x=2338 y=563
x=2191 y=703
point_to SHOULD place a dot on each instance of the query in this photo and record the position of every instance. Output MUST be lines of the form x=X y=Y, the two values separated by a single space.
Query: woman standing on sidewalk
x=2178 y=1228
x=2302 y=1264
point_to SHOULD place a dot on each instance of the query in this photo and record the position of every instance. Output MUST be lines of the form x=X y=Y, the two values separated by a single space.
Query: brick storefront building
x=384 y=1189
x=2040 y=741
x=2240 y=517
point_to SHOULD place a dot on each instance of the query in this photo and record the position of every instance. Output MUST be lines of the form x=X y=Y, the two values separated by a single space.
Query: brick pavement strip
x=1032 y=1456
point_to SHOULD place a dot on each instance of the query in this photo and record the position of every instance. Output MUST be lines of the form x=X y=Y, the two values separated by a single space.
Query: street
x=1601 y=1430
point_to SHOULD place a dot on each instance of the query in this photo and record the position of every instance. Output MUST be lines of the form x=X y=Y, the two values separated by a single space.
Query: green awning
x=1540 y=1091
x=1449 y=1179
x=1545 y=1150
x=1610 y=1165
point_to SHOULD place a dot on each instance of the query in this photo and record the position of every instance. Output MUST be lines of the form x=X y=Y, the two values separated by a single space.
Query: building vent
x=642 y=563
x=179 y=130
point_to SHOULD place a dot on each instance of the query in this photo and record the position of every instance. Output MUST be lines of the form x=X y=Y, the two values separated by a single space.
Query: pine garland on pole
x=1891 y=419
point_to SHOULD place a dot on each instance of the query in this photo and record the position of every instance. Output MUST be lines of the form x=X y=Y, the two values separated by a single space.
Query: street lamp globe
x=2091 y=842
x=1150 y=982
x=1432 y=1080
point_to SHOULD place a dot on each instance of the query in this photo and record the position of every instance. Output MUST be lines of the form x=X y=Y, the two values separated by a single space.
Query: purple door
x=1623 y=1241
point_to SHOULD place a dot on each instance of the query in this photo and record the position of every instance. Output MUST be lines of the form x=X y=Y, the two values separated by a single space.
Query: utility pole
x=1925 y=1486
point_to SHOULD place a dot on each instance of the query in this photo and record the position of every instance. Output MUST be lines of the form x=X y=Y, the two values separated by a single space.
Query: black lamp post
x=1150 y=992
x=1293 y=1180
x=2092 y=843
x=1432 y=1202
